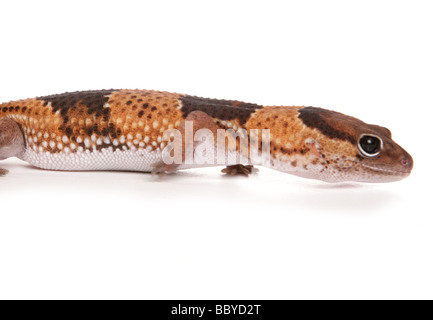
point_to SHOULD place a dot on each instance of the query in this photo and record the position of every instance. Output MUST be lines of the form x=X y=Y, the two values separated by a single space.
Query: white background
x=199 y=234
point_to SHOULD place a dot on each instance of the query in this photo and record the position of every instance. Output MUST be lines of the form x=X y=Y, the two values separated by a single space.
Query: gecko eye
x=370 y=145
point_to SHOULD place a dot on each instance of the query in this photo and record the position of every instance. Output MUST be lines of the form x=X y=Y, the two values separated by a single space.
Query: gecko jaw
x=401 y=173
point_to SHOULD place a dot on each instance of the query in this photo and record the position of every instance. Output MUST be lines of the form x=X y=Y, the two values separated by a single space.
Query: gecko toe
x=3 y=172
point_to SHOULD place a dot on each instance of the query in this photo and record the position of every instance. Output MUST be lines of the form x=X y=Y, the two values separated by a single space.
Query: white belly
x=106 y=159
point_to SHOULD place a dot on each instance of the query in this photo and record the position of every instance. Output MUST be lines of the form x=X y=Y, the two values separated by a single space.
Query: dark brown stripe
x=316 y=118
x=93 y=100
x=220 y=109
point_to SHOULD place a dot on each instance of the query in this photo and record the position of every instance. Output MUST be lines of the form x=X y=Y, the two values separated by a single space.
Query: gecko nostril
x=407 y=163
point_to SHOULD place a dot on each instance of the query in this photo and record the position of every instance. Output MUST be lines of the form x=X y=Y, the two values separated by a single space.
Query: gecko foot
x=3 y=172
x=238 y=169
x=162 y=168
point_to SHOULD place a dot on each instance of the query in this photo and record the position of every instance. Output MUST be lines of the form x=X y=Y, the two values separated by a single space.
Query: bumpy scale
x=123 y=130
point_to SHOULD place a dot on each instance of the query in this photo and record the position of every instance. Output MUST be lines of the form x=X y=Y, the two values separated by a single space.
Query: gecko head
x=354 y=150
x=11 y=139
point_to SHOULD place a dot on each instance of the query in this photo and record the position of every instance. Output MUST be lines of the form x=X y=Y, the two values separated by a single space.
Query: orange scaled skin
x=310 y=142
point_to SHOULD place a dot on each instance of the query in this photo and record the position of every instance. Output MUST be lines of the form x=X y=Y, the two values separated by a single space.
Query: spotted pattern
x=123 y=129
x=94 y=101
x=96 y=120
x=114 y=119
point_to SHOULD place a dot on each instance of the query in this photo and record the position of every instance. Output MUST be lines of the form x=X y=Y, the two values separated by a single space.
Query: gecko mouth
x=402 y=173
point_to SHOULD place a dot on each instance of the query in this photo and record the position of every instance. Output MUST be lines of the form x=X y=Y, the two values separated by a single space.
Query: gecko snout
x=406 y=163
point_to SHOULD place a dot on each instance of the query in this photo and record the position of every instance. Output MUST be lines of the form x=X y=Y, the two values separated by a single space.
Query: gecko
x=124 y=130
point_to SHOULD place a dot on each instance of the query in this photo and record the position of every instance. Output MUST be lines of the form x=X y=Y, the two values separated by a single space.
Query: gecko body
x=124 y=130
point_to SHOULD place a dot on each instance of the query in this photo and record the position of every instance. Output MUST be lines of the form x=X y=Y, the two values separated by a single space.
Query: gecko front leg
x=11 y=141
x=199 y=120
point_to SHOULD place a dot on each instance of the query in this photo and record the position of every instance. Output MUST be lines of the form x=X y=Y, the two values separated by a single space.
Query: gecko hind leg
x=161 y=168
x=239 y=169
x=11 y=141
